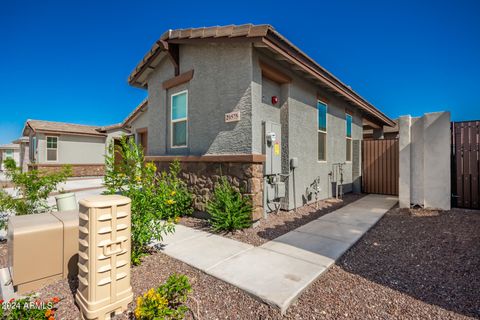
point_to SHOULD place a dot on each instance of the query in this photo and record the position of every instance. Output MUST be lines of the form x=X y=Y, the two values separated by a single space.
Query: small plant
x=31 y=190
x=228 y=209
x=28 y=308
x=165 y=302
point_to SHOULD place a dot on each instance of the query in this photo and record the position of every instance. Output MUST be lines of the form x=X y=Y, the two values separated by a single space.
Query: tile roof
x=269 y=38
x=62 y=127
x=127 y=121
x=9 y=146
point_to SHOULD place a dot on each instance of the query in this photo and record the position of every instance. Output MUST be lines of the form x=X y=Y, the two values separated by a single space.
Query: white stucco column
x=404 y=183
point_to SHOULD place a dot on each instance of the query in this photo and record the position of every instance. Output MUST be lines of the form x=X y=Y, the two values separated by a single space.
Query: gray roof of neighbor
x=62 y=127
x=9 y=146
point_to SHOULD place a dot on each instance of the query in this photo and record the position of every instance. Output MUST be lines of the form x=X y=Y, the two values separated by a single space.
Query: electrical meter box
x=272 y=147
x=104 y=256
x=51 y=238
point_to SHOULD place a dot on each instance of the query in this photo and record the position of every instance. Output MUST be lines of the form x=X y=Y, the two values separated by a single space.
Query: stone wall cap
x=244 y=158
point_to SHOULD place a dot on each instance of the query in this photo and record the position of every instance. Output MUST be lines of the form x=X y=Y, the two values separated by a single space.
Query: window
x=179 y=115
x=8 y=154
x=322 y=131
x=52 y=149
x=348 y=122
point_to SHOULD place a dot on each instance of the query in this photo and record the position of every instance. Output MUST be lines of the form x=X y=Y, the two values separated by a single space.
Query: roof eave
x=274 y=40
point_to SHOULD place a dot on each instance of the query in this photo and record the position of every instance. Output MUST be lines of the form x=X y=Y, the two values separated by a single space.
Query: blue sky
x=69 y=60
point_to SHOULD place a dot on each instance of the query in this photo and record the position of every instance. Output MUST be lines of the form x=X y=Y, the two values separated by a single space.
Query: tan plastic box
x=104 y=257
x=42 y=248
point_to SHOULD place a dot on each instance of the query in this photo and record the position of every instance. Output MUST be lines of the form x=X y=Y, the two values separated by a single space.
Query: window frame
x=322 y=131
x=47 y=148
x=179 y=120
x=347 y=137
x=8 y=154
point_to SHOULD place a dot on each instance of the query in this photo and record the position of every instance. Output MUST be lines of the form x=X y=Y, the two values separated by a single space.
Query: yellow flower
x=173 y=193
x=170 y=201
x=177 y=219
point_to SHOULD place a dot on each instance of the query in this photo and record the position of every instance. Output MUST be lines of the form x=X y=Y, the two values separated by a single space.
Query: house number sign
x=232 y=116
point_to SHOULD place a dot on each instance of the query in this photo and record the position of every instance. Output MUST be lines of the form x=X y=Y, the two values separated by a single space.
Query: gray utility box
x=273 y=148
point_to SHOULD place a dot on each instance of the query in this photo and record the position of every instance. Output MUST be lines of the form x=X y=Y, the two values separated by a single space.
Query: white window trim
x=323 y=131
x=178 y=120
x=47 y=148
x=349 y=138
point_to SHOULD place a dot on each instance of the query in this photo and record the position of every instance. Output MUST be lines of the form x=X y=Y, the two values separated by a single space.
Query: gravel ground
x=412 y=265
x=280 y=223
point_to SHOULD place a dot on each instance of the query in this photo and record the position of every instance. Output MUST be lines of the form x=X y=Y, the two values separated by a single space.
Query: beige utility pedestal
x=104 y=257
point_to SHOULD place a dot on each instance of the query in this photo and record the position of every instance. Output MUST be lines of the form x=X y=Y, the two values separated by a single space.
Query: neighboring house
x=9 y=151
x=54 y=144
x=385 y=132
x=244 y=102
x=24 y=154
x=136 y=124
x=48 y=145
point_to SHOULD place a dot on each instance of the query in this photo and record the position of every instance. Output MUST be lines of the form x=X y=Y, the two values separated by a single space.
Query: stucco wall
x=297 y=106
x=425 y=161
x=74 y=149
x=157 y=113
x=221 y=84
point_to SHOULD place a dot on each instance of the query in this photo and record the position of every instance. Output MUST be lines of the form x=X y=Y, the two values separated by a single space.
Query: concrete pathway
x=280 y=270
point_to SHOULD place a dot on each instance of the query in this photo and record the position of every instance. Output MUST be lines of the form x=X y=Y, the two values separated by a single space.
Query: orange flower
x=48 y=313
x=55 y=299
x=51 y=318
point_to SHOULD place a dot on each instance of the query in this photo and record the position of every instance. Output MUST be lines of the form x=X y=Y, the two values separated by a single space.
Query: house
x=246 y=103
x=385 y=132
x=24 y=157
x=48 y=145
x=9 y=151
x=135 y=124
x=55 y=144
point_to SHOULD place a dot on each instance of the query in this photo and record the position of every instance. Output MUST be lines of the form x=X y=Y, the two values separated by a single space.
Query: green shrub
x=174 y=199
x=157 y=200
x=165 y=302
x=228 y=209
x=31 y=190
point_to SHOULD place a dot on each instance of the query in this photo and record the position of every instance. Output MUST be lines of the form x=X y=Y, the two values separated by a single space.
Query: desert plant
x=229 y=210
x=165 y=302
x=157 y=199
x=30 y=190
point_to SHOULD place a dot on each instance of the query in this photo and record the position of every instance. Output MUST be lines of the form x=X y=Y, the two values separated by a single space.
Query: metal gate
x=380 y=166
x=465 y=164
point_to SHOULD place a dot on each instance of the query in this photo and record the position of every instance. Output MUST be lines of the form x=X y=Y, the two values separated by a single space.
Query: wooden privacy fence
x=465 y=164
x=380 y=166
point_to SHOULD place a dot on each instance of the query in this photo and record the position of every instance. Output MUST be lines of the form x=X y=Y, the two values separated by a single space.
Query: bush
x=228 y=209
x=28 y=308
x=31 y=190
x=166 y=302
x=157 y=200
x=174 y=199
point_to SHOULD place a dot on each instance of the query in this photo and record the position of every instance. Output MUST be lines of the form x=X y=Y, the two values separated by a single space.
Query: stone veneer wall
x=201 y=177
x=79 y=170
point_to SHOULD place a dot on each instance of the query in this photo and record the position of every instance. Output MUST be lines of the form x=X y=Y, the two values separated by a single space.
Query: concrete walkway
x=280 y=270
